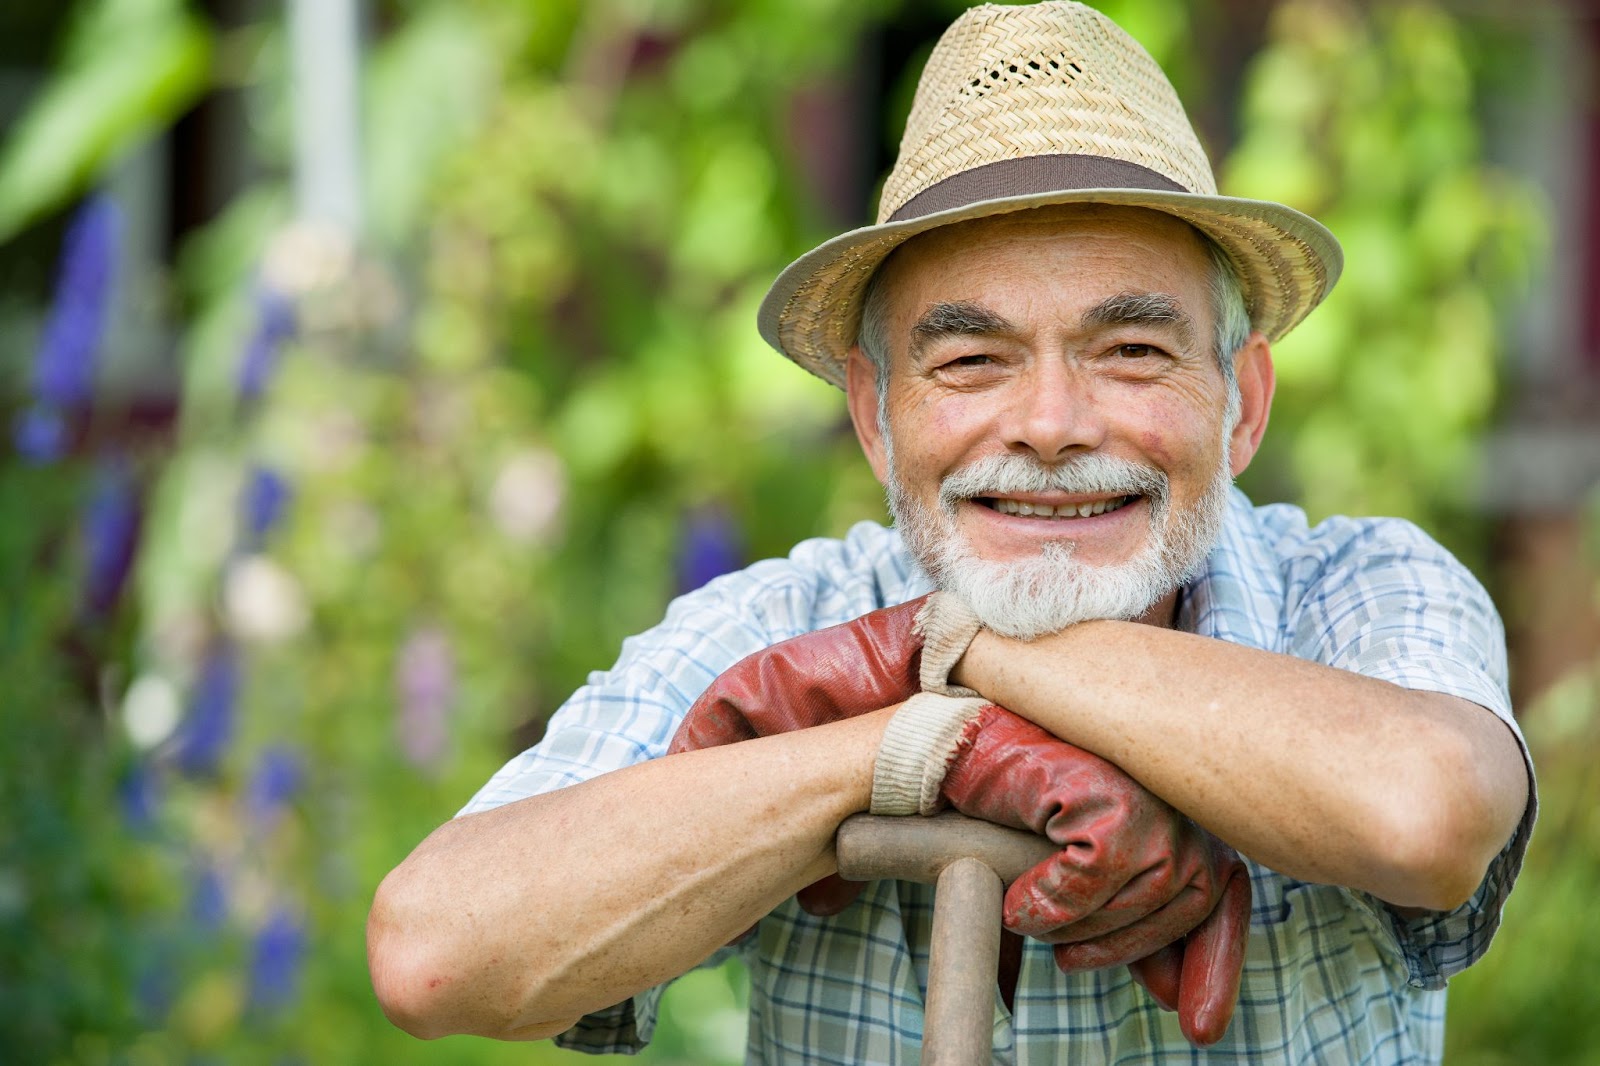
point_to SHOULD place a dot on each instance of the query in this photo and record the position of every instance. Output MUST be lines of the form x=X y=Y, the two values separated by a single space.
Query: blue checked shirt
x=1332 y=975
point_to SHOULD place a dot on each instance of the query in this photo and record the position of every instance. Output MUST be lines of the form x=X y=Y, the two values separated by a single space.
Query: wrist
x=916 y=751
x=970 y=671
x=992 y=661
x=947 y=625
x=856 y=756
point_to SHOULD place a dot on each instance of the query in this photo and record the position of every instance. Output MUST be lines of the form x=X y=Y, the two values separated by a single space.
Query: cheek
x=1177 y=442
x=951 y=424
x=918 y=456
x=1167 y=440
x=933 y=435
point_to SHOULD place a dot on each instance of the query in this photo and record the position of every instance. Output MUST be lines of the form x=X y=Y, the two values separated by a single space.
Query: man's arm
x=516 y=922
x=1316 y=772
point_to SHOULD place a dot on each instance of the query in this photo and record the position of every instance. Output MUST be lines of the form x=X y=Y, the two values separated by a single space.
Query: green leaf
x=131 y=67
x=427 y=91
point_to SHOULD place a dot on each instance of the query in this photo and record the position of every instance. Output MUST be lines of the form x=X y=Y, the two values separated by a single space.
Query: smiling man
x=1278 y=760
x=1065 y=332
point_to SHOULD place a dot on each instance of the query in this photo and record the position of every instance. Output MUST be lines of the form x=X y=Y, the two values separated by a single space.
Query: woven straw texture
x=1055 y=78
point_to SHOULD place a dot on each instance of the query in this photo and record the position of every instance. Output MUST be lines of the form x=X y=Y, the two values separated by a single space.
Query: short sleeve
x=624 y=1029
x=1436 y=947
x=1394 y=605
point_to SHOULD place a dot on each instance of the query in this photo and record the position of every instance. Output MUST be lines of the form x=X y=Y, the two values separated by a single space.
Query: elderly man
x=1055 y=346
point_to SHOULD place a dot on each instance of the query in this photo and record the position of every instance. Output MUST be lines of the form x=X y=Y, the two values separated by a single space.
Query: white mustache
x=1000 y=475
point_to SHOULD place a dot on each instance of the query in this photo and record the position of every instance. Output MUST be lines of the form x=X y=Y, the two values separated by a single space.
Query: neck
x=1163 y=614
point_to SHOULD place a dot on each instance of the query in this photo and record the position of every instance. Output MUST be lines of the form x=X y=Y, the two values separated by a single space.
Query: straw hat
x=1022 y=107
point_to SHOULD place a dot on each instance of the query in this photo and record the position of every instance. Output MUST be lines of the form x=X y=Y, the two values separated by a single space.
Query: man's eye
x=1135 y=351
x=971 y=360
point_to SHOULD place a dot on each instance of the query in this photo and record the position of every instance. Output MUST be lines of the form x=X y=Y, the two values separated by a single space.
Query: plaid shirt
x=1332 y=974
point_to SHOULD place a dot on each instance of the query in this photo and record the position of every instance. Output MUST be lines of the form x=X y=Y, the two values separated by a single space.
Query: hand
x=815 y=678
x=1133 y=877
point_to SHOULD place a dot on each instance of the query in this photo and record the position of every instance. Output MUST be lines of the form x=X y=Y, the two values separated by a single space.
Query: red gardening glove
x=815 y=678
x=1133 y=877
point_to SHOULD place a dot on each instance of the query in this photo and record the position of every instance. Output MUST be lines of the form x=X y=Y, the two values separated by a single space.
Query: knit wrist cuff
x=916 y=752
x=947 y=625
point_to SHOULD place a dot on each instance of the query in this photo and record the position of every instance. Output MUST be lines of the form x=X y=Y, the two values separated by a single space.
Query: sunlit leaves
x=533 y=405
x=428 y=86
x=130 y=67
x=1364 y=119
x=1524 y=1003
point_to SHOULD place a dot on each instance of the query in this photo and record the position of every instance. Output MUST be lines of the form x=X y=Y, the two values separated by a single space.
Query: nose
x=1054 y=412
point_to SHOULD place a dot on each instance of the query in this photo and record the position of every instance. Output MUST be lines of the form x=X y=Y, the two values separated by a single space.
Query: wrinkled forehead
x=1163 y=241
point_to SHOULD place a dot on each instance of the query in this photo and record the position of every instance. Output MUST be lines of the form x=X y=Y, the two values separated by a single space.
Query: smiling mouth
x=1041 y=510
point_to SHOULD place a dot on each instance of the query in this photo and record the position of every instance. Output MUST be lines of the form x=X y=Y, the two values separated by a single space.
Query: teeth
x=1070 y=510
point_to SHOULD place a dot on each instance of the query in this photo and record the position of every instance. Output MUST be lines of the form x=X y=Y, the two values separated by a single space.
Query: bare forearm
x=516 y=922
x=1318 y=773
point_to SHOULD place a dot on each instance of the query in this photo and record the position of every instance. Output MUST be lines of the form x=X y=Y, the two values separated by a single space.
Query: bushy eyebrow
x=958 y=319
x=1130 y=308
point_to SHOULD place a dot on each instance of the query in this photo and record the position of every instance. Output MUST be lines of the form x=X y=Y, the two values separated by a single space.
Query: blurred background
x=370 y=368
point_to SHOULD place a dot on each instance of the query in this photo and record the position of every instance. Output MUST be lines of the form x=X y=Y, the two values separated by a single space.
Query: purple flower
x=275 y=324
x=63 y=371
x=139 y=794
x=40 y=434
x=276 y=779
x=426 y=679
x=208 y=899
x=276 y=957
x=711 y=547
x=111 y=536
x=203 y=735
x=266 y=499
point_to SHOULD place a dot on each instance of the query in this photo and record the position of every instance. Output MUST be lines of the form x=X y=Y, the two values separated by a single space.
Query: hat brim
x=1287 y=263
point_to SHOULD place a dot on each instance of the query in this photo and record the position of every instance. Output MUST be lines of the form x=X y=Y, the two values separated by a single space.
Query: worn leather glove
x=1132 y=877
x=840 y=672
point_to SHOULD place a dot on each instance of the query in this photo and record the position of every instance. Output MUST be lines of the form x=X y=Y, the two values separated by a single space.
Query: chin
x=1028 y=598
x=1023 y=581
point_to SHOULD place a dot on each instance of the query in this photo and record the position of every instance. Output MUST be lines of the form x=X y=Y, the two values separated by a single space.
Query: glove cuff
x=916 y=751
x=947 y=624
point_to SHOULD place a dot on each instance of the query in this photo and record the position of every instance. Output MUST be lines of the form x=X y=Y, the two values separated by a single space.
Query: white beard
x=1031 y=597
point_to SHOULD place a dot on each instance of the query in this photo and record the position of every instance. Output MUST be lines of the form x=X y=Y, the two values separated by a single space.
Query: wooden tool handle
x=958 y=1024
x=971 y=861
x=874 y=847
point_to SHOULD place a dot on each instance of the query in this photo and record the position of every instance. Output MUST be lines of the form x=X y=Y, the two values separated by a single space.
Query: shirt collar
x=1239 y=595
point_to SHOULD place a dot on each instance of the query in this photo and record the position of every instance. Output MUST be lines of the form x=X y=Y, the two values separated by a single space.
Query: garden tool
x=969 y=862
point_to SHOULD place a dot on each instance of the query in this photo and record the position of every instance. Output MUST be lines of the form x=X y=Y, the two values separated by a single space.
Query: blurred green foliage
x=128 y=69
x=1365 y=119
x=1529 y=999
x=494 y=434
x=493 y=425
x=68 y=881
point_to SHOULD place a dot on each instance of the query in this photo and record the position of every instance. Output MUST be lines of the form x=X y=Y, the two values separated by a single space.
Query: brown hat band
x=1032 y=174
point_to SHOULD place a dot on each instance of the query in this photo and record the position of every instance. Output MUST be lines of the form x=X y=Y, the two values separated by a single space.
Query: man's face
x=1056 y=446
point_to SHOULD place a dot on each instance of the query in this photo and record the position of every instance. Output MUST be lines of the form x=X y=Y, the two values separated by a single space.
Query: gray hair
x=1231 y=329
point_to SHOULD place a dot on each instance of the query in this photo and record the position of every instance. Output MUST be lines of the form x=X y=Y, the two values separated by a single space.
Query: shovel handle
x=971 y=862
x=958 y=1021
x=873 y=847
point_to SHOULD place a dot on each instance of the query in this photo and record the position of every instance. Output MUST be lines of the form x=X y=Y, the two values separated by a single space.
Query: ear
x=861 y=393
x=1253 y=367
